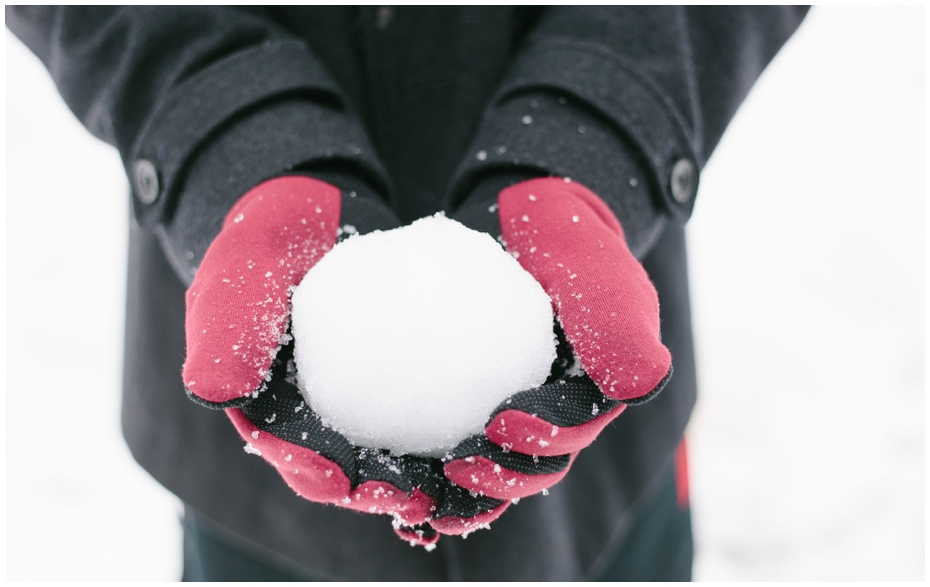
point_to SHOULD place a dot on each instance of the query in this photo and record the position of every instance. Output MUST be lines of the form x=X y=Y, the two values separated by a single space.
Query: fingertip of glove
x=221 y=405
x=530 y=434
x=457 y=526
x=420 y=535
x=310 y=474
x=638 y=401
x=483 y=475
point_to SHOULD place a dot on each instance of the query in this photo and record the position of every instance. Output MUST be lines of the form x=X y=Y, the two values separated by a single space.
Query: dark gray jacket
x=425 y=109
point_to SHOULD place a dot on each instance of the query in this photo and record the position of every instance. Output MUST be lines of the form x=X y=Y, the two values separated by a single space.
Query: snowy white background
x=807 y=266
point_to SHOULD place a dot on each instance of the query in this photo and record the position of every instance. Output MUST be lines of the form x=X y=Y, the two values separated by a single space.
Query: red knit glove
x=239 y=357
x=608 y=310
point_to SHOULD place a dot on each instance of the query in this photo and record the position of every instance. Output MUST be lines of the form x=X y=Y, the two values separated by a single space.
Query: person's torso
x=419 y=77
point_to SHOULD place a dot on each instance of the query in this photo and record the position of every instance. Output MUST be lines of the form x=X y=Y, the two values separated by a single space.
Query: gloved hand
x=239 y=357
x=608 y=313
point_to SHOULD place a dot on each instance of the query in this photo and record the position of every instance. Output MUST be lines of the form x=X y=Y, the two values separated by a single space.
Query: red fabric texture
x=415 y=536
x=381 y=497
x=486 y=477
x=238 y=303
x=528 y=434
x=569 y=240
x=309 y=474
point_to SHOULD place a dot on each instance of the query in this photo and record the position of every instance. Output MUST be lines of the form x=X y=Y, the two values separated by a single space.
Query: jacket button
x=145 y=181
x=683 y=180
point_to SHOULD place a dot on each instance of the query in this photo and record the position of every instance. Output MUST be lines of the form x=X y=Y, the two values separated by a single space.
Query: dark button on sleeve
x=192 y=112
x=683 y=180
x=145 y=181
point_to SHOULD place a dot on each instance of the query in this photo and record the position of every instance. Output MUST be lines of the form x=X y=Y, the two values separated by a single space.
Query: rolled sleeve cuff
x=202 y=109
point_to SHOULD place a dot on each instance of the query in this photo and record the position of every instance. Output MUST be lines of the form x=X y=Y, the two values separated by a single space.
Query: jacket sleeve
x=628 y=100
x=202 y=103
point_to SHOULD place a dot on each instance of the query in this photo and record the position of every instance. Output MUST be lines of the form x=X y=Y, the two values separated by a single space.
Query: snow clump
x=408 y=339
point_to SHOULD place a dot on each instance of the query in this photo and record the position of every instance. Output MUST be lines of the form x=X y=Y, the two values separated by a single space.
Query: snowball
x=408 y=339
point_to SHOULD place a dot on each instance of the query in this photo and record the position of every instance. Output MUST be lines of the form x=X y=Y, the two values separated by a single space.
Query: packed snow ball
x=408 y=339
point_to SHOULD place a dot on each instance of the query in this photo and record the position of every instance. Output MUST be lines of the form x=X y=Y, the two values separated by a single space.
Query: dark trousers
x=658 y=547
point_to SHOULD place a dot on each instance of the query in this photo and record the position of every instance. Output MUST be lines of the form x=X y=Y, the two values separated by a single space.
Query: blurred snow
x=78 y=508
x=807 y=264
